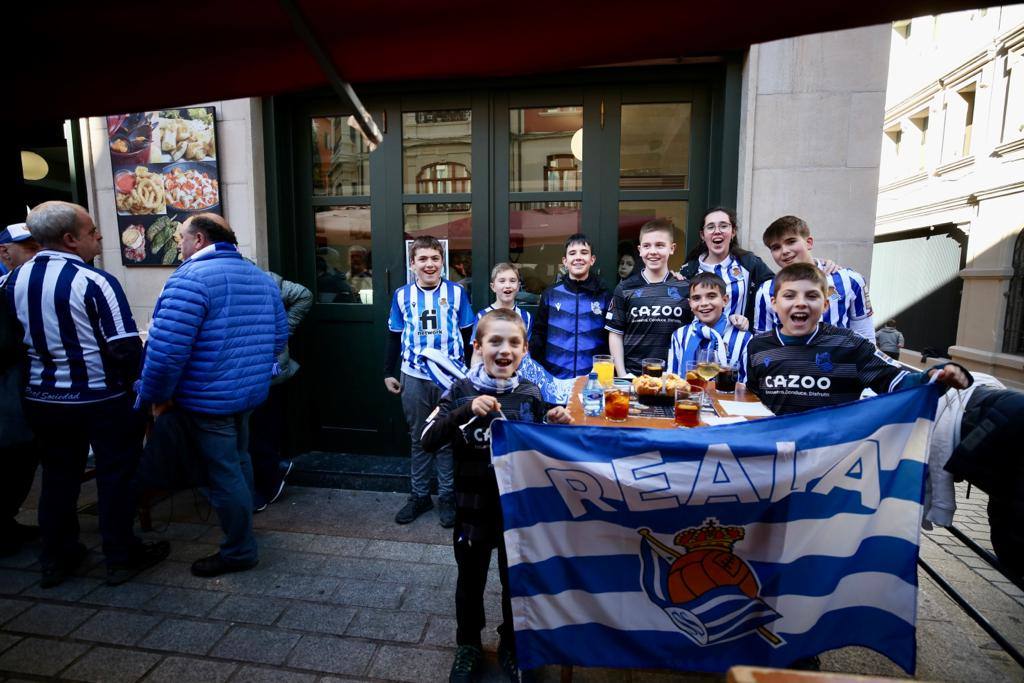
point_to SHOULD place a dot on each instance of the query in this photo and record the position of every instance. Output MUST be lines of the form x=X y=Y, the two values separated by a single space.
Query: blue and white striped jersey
x=688 y=340
x=736 y=279
x=430 y=319
x=525 y=315
x=848 y=303
x=70 y=312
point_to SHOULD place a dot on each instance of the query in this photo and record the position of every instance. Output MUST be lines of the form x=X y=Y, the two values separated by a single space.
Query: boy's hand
x=393 y=385
x=559 y=415
x=484 y=405
x=740 y=322
x=829 y=266
x=951 y=376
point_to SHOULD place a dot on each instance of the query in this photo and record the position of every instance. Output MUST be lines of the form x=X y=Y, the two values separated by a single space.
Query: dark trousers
x=20 y=462
x=266 y=442
x=64 y=433
x=473 y=562
x=223 y=441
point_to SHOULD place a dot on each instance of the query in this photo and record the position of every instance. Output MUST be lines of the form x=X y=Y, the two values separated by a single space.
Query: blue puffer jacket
x=568 y=328
x=217 y=330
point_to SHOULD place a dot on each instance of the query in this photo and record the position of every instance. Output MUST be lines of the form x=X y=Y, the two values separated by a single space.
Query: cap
x=15 y=233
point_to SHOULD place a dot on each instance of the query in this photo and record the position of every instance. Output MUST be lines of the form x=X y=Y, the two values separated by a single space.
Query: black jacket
x=477 y=510
x=14 y=428
x=759 y=273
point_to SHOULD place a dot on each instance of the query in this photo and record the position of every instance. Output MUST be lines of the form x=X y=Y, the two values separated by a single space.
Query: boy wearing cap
x=17 y=450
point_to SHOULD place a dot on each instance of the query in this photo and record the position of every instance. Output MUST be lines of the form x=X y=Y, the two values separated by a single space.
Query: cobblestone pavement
x=343 y=593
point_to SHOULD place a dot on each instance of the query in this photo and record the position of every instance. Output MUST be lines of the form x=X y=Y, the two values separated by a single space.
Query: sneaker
x=467 y=662
x=285 y=471
x=507 y=662
x=143 y=557
x=55 y=573
x=259 y=503
x=215 y=565
x=446 y=510
x=413 y=508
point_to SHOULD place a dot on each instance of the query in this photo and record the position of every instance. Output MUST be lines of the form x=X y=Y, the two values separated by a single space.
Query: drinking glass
x=605 y=369
x=687 y=407
x=653 y=367
x=616 y=401
x=726 y=380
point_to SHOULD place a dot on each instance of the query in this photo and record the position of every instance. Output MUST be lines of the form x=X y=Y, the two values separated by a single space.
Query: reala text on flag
x=756 y=543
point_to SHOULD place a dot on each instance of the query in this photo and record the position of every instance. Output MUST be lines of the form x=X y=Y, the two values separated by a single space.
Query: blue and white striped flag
x=754 y=543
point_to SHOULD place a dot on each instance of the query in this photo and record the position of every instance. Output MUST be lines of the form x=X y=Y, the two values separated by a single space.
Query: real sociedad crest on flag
x=709 y=593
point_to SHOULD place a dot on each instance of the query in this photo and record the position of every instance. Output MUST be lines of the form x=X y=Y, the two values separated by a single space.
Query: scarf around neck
x=483 y=382
x=697 y=332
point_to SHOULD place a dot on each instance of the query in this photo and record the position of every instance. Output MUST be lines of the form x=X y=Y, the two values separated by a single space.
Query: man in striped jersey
x=84 y=353
x=789 y=239
x=430 y=313
x=805 y=363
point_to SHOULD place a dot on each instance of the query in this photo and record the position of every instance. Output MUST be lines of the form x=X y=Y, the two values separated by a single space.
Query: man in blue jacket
x=217 y=330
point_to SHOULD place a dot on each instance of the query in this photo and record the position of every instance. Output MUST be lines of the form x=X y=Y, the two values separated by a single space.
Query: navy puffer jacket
x=217 y=330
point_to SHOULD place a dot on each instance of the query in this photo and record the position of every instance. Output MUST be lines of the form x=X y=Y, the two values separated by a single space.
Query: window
x=1013 y=115
x=967 y=94
x=545 y=148
x=654 y=148
x=902 y=28
x=1013 y=329
x=920 y=130
x=443 y=177
x=959 y=124
x=562 y=173
x=436 y=151
x=892 y=164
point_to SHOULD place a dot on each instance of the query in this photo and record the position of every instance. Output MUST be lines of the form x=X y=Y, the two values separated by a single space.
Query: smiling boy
x=648 y=306
x=463 y=419
x=505 y=285
x=790 y=241
x=430 y=313
x=568 y=329
x=805 y=363
x=708 y=302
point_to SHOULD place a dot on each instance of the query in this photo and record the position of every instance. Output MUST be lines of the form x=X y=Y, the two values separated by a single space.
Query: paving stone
x=286 y=561
x=333 y=655
x=302 y=587
x=432 y=575
x=338 y=545
x=70 y=590
x=187 y=601
x=27 y=557
x=118 y=628
x=403 y=627
x=13 y=581
x=432 y=600
x=107 y=665
x=320 y=618
x=369 y=594
x=256 y=645
x=285 y=539
x=354 y=567
x=395 y=550
x=131 y=594
x=40 y=657
x=184 y=531
x=10 y=608
x=184 y=635
x=190 y=552
x=251 y=674
x=439 y=554
x=7 y=641
x=188 y=670
x=248 y=609
x=49 y=620
x=411 y=664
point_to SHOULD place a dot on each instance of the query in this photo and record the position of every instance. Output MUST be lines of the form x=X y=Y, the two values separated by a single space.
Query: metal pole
x=342 y=88
x=985 y=555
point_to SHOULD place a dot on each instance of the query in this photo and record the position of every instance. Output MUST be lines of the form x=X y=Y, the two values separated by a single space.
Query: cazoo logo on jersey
x=656 y=312
x=796 y=382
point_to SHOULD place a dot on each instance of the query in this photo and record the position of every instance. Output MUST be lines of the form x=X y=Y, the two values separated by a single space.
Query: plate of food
x=133 y=241
x=656 y=391
x=191 y=186
x=139 y=192
x=184 y=134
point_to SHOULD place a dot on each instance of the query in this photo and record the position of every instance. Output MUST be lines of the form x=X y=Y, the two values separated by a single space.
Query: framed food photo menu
x=165 y=169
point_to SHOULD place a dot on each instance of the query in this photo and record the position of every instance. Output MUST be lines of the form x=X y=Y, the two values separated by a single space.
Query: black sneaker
x=446 y=510
x=55 y=573
x=413 y=508
x=259 y=503
x=143 y=557
x=286 y=469
x=466 y=664
x=215 y=565
x=507 y=662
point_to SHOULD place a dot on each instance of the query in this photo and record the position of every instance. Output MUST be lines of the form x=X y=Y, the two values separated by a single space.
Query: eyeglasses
x=717 y=227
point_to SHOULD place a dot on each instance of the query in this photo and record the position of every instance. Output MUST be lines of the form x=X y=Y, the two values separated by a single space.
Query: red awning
x=93 y=58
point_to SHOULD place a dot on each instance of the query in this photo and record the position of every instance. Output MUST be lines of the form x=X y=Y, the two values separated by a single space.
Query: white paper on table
x=745 y=408
x=715 y=420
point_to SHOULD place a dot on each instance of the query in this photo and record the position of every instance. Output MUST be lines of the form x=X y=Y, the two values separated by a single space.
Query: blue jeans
x=64 y=432
x=223 y=441
x=419 y=398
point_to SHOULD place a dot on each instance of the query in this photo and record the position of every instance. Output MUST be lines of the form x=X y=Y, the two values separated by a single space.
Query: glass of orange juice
x=605 y=369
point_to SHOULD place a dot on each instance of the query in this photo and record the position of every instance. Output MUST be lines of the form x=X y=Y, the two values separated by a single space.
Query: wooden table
x=575 y=408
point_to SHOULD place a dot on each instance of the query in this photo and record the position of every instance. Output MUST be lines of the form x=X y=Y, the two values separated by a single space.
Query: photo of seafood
x=164 y=166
